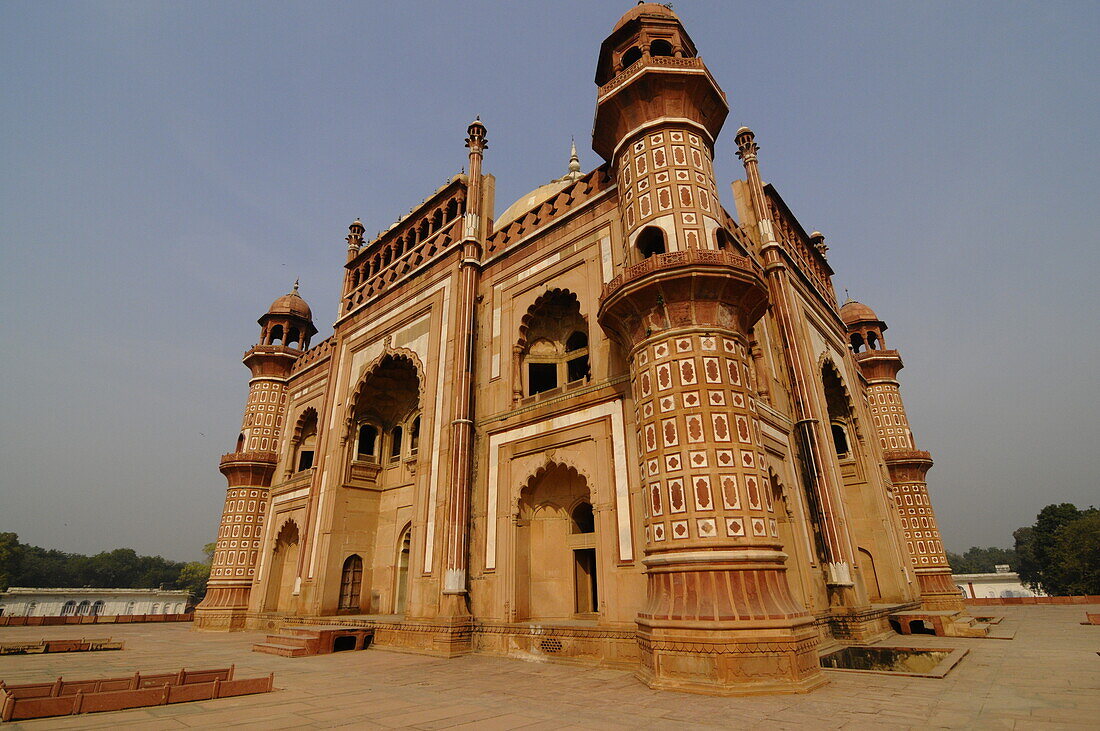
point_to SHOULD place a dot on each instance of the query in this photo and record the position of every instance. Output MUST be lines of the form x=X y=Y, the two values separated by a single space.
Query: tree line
x=1059 y=555
x=32 y=566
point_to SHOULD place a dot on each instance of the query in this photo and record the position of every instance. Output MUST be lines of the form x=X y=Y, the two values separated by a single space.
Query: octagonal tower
x=908 y=466
x=719 y=616
x=286 y=329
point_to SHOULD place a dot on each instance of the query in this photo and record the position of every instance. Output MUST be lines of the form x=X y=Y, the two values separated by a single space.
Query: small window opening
x=660 y=47
x=872 y=340
x=97 y=608
x=650 y=242
x=541 y=377
x=276 y=335
x=722 y=239
x=584 y=521
x=343 y=644
x=631 y=57
x=368 y=441
x=69 y=609
x=857 y=343
x=840 y=440
x=414 y=436
x=395 y=442
x=240 y=443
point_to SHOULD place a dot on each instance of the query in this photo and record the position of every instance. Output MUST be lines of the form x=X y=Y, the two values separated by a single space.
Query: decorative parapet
x=272 y=350
x=676 y=259
x=796 y=242
x=566 y=201
x=897 y=456
x=317 y=353
x=665 y=62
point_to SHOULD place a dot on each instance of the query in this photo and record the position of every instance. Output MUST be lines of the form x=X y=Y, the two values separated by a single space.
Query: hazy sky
x=168 y=169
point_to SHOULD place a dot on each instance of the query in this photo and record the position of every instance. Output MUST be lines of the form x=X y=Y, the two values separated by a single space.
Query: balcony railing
x=677 y=259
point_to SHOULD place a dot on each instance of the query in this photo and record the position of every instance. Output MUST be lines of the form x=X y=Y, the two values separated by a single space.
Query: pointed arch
x=552 y=348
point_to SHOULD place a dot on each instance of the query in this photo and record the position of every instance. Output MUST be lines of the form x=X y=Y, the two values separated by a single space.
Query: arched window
x=395 y=443
x=660 y=47
x=240 y=443
x=452 y=210
x=424 y=231
x=857 y=342
x=584 y=521
x=307 y=444
x=840 y=410
x=367 y=447
x=276 y=337
x=385 y=405
x=631 y=57
x=553 y=347
x=437 y=220
x=69 y=609
x=351 y=581
x=293 y=338
x=155 y=609
x=130 y=607
x=83 y=608
x=872 y=340
x=650 y=242
x=97 y=608
x=31 y=607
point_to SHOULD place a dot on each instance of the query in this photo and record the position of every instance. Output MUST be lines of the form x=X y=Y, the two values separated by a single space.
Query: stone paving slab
x=1048 y=677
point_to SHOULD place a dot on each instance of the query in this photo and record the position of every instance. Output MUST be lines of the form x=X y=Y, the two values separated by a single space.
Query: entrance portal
x=284 y=569
x=556 y=562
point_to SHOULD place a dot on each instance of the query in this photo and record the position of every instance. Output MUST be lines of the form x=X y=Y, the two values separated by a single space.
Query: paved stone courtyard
x=1048 y=677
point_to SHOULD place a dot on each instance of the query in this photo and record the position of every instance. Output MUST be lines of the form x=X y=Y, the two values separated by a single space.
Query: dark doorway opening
x=343 y=644
x=585 y=579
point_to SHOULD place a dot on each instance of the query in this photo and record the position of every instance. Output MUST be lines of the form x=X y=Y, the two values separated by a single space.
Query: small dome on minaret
x=291 y=303
x=656 y=10
x=852 y=312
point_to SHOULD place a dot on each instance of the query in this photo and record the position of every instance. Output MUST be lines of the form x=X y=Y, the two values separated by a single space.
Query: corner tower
x=285 y=331
x=908 y=465
x=719 y=617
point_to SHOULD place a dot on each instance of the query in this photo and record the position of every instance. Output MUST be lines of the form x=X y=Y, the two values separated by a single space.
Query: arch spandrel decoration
x=540 y=302
x=300 y=423
x=551 y=463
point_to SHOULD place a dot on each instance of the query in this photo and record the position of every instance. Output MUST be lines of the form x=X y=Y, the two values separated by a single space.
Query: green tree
x=1060 y=554
x=981 y=560
x=11 y=559
x=1027 y=565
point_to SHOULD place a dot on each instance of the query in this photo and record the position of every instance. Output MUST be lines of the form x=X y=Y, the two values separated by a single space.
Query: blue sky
x=170 y=168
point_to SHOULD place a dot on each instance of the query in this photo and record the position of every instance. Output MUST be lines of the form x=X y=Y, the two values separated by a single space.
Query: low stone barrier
x=44 y=646
x=1011 y=600
x=63 y=698
x=12 y=621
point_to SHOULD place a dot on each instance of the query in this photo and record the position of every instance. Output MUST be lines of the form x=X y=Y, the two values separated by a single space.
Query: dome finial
x=295 y=290
x=574 y=160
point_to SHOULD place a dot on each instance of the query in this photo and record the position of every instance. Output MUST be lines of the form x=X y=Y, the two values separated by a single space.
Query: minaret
x=286 y=329
x=907 y=464
x=457 y=547
x=719 y=617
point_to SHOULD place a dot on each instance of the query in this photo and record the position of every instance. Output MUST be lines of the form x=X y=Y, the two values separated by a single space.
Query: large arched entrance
x=556 y=559
x=284 y=566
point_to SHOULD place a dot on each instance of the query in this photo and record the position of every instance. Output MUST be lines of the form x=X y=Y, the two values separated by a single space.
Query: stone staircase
x=304 y=640
x=946 y=623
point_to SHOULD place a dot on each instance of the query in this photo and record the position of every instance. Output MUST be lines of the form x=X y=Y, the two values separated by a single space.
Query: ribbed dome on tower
x=651 y=9
x=852 y=312
x=291 y=304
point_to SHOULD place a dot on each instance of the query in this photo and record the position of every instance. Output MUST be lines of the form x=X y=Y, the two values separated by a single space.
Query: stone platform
x=1048 y=677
